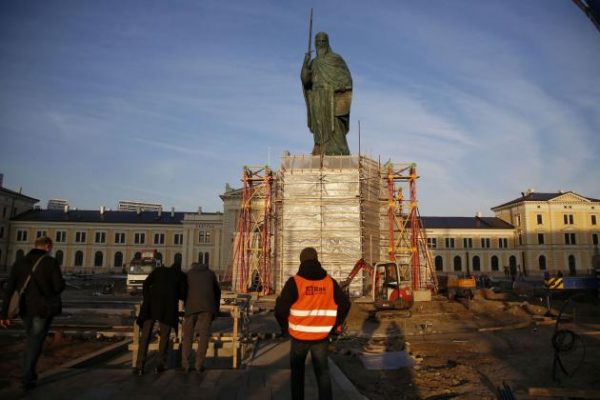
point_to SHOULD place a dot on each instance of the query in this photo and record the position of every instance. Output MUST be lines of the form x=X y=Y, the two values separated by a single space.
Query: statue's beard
x=322 y=50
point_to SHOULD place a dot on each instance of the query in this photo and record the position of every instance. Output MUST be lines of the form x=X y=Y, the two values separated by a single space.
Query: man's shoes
x=186 y=370
x=28 y=385
x=159 y=369
x=200 y=370
x=138 y=371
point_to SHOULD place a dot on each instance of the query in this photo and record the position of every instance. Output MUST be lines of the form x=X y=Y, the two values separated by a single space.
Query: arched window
x=206 y=258
x=439 y=263
x=542 y=262
x=118 y=261
x=512 y=261
x=201 y=258
x=495 y=263
x=20 y=254
x=159 y=256
x=79 y=258
x=457 y=263
x=572 y=265
x=177 y=258
x=137 y=255
x=59 y=257
x=98 y=259
x=476 y=263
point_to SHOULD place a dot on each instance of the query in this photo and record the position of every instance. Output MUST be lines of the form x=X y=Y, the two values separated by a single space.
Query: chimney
x=138 y=210
x=199 y=210
x=66 y=209
x=1 y=180
x=530 y=190
x=159 y=212
x=172 y=212
x=478 y=214
x=101 y=210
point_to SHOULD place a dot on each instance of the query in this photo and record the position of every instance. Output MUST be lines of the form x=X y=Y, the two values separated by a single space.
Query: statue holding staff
x=327 y=87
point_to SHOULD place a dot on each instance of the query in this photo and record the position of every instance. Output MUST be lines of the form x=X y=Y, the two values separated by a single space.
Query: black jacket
x=47 y=281
x=163 y=289
x=313 y=271
x=204 y=293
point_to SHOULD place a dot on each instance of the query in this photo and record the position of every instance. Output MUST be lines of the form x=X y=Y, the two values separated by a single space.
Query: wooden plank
x=564 y=392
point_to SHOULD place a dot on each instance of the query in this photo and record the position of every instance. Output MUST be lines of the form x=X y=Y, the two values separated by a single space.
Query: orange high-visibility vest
x=313 y=315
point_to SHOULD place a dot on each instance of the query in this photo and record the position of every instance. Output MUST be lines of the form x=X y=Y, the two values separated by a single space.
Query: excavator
x=389 y=287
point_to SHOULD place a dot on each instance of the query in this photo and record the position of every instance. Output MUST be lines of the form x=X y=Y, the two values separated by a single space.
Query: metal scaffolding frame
x=406 y=237
x=252 y=243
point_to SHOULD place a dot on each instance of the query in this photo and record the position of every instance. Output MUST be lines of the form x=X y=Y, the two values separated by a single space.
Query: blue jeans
x=318 y=353
x=36 y=329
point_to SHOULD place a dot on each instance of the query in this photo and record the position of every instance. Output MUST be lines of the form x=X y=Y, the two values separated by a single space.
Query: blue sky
x=165 y=101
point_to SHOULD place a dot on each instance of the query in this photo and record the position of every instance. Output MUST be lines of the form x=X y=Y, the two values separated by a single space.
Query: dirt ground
x=466 y=350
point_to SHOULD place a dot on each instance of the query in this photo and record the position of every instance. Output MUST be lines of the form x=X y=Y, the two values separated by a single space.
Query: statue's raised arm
x=327 y=87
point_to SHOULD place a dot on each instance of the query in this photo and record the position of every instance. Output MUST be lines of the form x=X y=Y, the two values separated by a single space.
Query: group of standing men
x=162 y=290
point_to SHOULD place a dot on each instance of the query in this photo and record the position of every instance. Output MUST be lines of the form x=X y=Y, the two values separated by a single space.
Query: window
x=120 y=237
x=178 y=238
x=432 y=243
x=39 y=234
x=439 y=263
x=542 y=262
x=159 y=238
x=476 y=263
x=60 y=237
x=503 y=243
x=79 y=237
x=21 y=236
x=485 y=243
x=540 y=238
x=593 y=220
x=204 y=236
x=518 y=220
x=118 y=260
x=78 y=258
x=595 y=239
x=457 y=263
x=178 y=258
x=572 y=265
x=100 y=237
x=570 y=238
x=139 y=238
x=467 y=243
x=4 y=212
x=568 y=219
x=59 y=257
x=201 y=258
x=1 y=232
x=20 y=254
x=540 y=221
x=206 y=260
x=98 y=259
x=449 y=243
x=494 y=263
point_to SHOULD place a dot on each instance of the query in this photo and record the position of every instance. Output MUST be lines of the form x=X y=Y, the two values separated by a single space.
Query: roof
x=17 y=194
x=94 y=216
x=534 y=196
x=465 y=223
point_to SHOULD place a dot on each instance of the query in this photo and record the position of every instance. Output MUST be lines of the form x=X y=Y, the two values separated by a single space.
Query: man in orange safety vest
x=311 y=307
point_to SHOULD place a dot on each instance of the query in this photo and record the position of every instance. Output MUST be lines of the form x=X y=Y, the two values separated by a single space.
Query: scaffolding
x=252 y=243
x=406 y=237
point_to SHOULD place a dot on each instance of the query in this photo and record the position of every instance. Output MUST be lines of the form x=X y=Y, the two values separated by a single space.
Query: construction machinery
x=389 y=284
x=139 y=269
x=461 y=287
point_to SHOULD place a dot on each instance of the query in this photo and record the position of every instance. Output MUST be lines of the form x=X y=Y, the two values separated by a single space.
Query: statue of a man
x=327 y=86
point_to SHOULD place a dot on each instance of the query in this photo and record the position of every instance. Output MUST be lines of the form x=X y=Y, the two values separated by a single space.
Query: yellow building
x=104 y=241
x=553 y=231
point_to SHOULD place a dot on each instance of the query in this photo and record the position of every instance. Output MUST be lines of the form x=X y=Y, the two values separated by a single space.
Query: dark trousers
x=318 y=353
x=195 y=323
x=164 y=331
x=36 y=330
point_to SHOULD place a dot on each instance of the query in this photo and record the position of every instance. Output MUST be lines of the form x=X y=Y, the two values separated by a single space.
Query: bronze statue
x=327 y=87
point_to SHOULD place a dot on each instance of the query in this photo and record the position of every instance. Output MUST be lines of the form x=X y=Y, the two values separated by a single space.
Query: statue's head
x=322 y=43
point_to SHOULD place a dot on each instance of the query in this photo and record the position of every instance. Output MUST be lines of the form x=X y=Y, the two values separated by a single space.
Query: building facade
x=534 y=233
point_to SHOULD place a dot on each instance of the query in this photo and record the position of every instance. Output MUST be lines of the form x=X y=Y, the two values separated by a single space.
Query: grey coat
x=204 y=294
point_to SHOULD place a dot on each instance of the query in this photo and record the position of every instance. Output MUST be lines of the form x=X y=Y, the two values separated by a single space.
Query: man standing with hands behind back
x=310 y=307
x=40 y=301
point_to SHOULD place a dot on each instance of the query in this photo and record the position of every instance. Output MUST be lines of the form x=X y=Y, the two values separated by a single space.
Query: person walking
x=201 y=307
x=311 y=307
x=40 y=301
x=162 y=290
